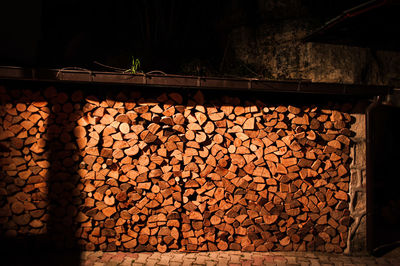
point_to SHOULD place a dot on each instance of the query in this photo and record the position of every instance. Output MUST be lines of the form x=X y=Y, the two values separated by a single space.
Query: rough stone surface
x=357 y=190
x=276 y=51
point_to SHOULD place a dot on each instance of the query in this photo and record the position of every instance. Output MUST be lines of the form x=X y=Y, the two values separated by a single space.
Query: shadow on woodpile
x=146 y=170
x=38 y=190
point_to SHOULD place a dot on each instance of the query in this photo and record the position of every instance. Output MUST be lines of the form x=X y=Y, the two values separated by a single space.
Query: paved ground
x=230 y=258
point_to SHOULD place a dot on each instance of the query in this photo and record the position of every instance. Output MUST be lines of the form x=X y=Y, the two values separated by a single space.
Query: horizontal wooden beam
x=196 y=82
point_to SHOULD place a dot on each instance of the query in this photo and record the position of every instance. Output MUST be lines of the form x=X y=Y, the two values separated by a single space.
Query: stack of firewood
x=135 y=173
x=270 y=178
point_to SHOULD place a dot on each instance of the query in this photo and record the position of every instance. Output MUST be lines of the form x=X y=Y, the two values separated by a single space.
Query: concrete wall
x=268 y=44
x=277 y=52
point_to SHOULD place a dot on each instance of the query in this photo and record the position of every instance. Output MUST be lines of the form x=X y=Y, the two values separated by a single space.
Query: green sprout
x=135 y=65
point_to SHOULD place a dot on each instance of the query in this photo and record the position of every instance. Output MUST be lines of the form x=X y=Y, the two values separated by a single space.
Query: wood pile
x=175 y=171
x=38 y=184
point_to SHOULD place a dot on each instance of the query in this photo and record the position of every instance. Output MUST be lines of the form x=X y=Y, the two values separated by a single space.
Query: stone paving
x=232 y=258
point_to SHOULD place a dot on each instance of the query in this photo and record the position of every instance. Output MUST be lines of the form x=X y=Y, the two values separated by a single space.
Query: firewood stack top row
x=173 y=170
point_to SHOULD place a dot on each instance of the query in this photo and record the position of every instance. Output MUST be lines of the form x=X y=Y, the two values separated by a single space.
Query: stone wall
x=271 y=46
x=357 y=234
x=277 y=52
x=162 y=170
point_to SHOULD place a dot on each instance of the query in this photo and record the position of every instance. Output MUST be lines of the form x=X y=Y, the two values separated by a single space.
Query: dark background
x=165 y=35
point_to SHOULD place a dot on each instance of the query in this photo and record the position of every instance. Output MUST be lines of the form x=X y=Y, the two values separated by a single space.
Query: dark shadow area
x=192 y=37
x=383 y=200
x=39 y=226
x=388 y=251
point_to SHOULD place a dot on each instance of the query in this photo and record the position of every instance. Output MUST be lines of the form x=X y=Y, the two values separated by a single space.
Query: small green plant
x=135 y=65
